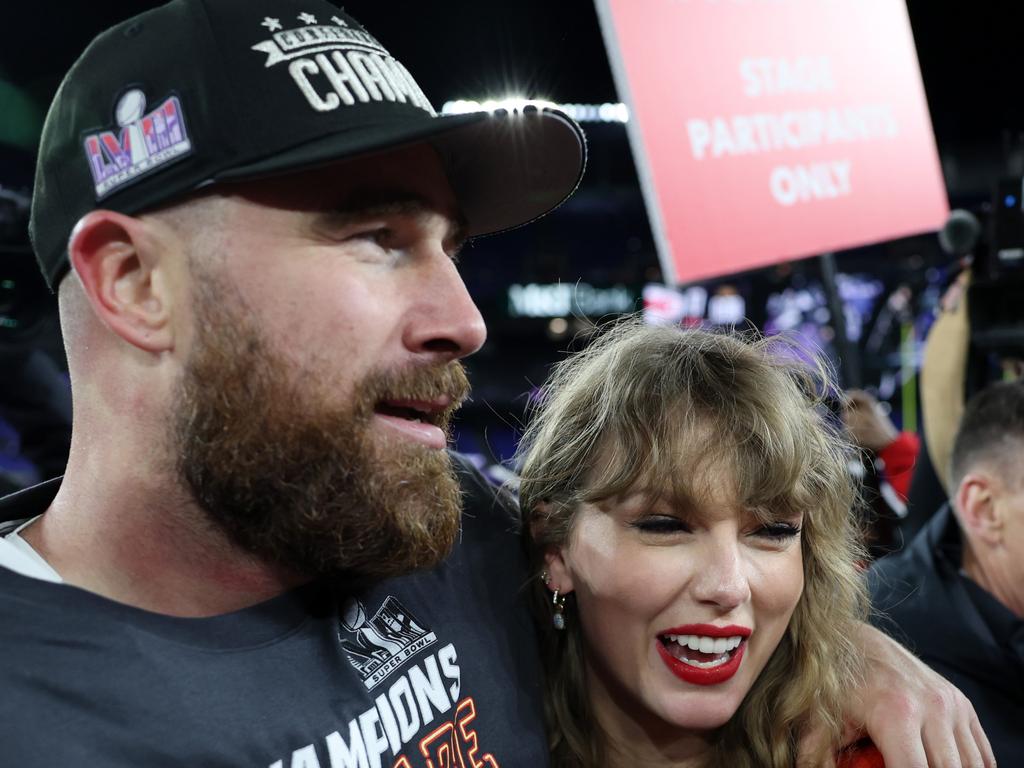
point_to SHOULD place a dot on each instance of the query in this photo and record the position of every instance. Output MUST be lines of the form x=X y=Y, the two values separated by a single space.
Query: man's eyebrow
x=363 y=205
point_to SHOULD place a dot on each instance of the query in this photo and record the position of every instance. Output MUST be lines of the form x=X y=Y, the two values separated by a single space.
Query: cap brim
x=505 y=169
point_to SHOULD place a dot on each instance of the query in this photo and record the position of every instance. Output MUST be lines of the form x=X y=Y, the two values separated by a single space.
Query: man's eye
x=778 y=531
x=661 y=524
x=378 y=235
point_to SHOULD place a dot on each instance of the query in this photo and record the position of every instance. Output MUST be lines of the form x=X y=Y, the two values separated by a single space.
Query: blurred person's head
x=254 y=250
x=987 y=469
x=686 y=492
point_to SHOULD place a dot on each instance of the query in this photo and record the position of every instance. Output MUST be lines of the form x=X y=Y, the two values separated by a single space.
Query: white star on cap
x=271 y=24
x=308 y=18
x=340 y=22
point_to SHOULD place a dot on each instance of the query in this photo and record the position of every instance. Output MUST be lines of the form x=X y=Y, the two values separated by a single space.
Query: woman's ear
x=558 y=569
x=557 y=575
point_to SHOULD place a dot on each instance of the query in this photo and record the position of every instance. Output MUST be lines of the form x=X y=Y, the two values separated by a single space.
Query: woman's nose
x=722 y=577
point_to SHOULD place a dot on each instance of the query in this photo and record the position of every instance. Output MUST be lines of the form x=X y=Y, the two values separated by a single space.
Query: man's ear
x=979 y=513
x=118 y=260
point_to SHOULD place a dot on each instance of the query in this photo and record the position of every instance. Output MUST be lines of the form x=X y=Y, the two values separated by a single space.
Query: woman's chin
x=699 y=711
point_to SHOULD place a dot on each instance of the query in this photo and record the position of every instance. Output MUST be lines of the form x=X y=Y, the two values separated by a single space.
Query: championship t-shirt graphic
x=418 y=715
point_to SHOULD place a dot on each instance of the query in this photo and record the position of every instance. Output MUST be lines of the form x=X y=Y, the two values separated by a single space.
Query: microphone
x=960 y=233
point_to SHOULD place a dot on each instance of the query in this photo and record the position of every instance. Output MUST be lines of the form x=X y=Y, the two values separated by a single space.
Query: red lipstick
x=704 y=675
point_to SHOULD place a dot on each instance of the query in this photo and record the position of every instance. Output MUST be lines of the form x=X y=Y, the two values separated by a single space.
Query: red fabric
x=899 y=457
x=862 y=755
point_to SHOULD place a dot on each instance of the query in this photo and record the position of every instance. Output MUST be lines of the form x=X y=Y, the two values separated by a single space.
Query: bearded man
x=261 y=553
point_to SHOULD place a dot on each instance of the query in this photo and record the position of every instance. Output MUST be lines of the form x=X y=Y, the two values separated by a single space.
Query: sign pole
x=849 y=355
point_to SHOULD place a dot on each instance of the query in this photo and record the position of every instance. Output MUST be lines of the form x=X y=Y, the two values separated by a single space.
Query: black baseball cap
x=198 y=92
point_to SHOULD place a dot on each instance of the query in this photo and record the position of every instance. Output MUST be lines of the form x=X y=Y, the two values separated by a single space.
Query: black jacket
x=922 y=599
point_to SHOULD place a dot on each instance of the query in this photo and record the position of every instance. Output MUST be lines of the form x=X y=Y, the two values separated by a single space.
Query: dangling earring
x=558 y=619
x=545 y=577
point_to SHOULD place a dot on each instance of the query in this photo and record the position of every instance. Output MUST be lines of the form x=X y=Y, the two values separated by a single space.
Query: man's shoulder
x=914 y=573
x=483 y=499
x=907 y=589
x=900 y=596
x=36 y=617
x=902 y=574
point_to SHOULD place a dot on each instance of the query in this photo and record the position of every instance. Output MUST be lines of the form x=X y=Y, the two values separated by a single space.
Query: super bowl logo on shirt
x=380 y=644
x=335 y=65
x=144 y=143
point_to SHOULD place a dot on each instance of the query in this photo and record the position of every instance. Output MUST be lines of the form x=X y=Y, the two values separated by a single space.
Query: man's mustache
x=446 y=383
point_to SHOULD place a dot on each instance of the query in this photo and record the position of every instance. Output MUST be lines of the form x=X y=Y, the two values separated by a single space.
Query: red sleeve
x=899 y=457
x=862 y=755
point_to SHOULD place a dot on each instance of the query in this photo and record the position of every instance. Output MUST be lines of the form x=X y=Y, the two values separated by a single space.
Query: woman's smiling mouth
x=703 y=654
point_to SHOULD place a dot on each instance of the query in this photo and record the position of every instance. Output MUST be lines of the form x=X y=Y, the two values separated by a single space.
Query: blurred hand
x=951 y=299
x=867 y=422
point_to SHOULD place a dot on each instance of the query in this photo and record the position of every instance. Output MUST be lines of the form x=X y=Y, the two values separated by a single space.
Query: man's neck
x=149 y=547
x=990 y=577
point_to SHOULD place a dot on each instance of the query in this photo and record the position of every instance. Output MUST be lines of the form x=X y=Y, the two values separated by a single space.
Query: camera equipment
x=995 y=238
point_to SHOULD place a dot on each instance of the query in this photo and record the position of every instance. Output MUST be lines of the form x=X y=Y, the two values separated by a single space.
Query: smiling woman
x=688 y=511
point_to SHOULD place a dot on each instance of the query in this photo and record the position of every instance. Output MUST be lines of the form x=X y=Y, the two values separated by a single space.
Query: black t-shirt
x=436 y=669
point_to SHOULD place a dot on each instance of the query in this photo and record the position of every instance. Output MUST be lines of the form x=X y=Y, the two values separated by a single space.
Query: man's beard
x=298 y=481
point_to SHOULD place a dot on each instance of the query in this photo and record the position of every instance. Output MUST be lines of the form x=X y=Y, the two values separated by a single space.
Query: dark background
x=969 y=55
x=970 y=63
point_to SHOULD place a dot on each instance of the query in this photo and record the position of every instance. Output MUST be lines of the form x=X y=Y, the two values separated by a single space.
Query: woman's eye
x=778 y=531
x=661 y=524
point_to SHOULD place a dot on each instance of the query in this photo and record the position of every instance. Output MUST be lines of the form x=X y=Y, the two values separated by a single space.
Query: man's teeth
x=706 y=644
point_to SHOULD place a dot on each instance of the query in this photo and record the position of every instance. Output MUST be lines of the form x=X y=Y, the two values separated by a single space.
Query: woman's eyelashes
x=778 y=531
x=661 y=524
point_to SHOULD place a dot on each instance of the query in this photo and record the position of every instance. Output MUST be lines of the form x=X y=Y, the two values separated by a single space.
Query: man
x=250 y=212
x=956 y=594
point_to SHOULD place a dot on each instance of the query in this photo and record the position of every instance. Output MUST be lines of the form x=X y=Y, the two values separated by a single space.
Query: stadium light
x=583 y=113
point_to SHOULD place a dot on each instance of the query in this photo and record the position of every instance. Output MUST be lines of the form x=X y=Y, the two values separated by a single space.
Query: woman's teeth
x=705 y=644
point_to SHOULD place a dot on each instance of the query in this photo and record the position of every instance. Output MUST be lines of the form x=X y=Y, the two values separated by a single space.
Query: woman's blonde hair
x=663 y=409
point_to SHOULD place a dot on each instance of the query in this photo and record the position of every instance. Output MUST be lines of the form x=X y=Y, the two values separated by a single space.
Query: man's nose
x=447 y=322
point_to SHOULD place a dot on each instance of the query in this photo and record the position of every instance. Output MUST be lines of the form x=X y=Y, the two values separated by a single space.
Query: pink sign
x=766 y=130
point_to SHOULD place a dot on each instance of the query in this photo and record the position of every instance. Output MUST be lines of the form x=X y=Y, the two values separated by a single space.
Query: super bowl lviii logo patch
x=142 y=142
x=378 y=645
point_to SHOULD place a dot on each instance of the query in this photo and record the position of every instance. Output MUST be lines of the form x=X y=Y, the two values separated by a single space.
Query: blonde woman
x=688 y=514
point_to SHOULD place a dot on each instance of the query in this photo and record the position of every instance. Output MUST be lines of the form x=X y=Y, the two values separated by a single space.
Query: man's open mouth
x=431 y=412
x=425 y=412
x=421 y=421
